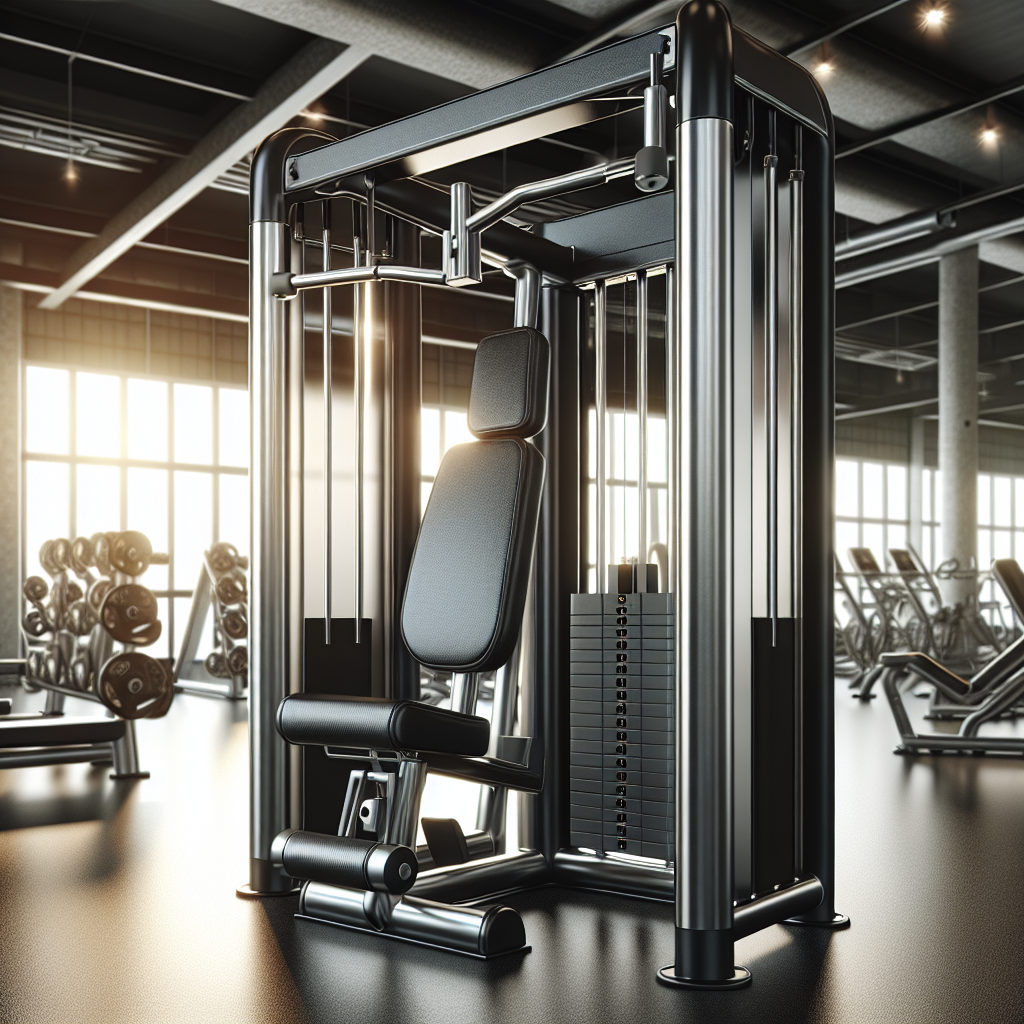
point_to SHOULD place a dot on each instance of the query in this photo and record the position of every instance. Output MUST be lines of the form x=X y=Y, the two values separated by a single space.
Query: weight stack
x=621 y=742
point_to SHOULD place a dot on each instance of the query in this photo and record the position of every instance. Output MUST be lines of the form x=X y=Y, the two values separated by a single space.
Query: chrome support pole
x=700 y=550
x=126 y=755
x=601 y=430
x=325 y=208
x=672 y=414
x=269 y=655
x=527 y=294
x=771 y=347
x=641 y=418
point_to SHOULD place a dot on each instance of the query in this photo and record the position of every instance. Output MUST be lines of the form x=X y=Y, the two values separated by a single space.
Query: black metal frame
x=287 y=172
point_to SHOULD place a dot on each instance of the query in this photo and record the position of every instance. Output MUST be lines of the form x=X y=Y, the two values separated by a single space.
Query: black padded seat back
x=467 y=581
x=471 y=566
x=509 y=393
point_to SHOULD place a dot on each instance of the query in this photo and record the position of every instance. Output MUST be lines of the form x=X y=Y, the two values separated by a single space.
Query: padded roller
x=353 y=863
x=329 y=720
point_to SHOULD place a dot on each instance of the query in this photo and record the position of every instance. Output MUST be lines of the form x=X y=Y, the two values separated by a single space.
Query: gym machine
x=727 y=663
x=70 y=631
x=222 y=589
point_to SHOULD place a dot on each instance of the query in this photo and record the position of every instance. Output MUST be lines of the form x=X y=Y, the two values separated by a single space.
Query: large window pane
x=193 y=524
x=657 y=450
x=147 y=420
x=874 y=538
x=147 y=512
x=1002 y=512
x=430 y=441
x=98 y=415
x=896 y=491
x=984 y=500
x=182 y=607
x=193 y=423
x=873 y=476
x=846 y=488
x=926 y=497
x=1018 y=501
x=46 y=410
x=456 y=430
x=98 y=499
x=847 y=536
x=234 y=427
x=234 y=511
x=47 y=504
x=162 y=648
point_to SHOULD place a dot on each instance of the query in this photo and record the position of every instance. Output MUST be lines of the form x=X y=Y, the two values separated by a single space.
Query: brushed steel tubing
x=601 y=430
x=268 y=569
x=359 y=274
x=672 y=416
x=641 y=418
x=527 y=293
x=325 y=208
x=771 y=348
x=700 y=546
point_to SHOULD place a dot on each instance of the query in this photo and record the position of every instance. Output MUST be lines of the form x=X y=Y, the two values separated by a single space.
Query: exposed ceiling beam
x=886 y=134
x=857 y=414
x=825 y=34
x=320 y=65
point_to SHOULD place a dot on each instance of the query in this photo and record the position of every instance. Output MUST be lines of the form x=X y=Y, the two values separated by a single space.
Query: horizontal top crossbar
x=539 y=104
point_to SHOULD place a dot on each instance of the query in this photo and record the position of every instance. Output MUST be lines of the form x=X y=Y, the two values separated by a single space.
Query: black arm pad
x=328 y=720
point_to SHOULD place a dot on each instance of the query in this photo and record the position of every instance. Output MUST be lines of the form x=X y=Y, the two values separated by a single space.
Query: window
x=109 y=452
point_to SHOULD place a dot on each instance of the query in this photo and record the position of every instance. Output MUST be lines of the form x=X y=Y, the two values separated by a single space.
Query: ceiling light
x=989 y=137
x=312 y=115
x=71 y=173
x=934 y=17
x=824 y=68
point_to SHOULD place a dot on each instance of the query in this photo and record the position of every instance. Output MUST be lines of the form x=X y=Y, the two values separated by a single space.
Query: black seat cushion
x=57 y=732
x=509 y=393
x=471 y=566
x=329 y=720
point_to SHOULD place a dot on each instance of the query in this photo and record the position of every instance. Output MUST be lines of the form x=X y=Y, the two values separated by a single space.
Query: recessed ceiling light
x=989 y=136
x=935 y=16
x=824 y=68
x=71 y=173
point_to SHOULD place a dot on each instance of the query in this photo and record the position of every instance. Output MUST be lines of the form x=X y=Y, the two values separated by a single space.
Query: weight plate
x=35 y=588
x=235 y=625
x=97 y=592
x=129 y=615
x=134 y=685
x=82 y=557
x=101 y=552
x=130 y=552
x=231 y=588
x=46 y=558
x=35 y=624
x=217 y=666
x=72 y=593
x=223 y=557
x=238 y=661
x=60 y=554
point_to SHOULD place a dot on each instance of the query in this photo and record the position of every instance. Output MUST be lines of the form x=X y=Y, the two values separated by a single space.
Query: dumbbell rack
x=190 y=676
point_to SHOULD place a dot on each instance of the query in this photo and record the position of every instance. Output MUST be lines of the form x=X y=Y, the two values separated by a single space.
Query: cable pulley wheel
x=134 y=685
x=129 y=615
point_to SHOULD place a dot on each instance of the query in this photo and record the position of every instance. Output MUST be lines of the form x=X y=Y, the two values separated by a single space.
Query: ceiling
x=128 y=131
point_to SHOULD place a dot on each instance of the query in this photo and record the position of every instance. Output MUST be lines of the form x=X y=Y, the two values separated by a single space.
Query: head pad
x=509 y=394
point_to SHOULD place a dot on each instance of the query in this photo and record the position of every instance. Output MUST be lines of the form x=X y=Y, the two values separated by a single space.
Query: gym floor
x=117 y=903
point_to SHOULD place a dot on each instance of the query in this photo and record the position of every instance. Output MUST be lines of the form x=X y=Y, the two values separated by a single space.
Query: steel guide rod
x=358 y=387
x=771 y=333
x=601 y=430
x=641 y=416
x=325 y=208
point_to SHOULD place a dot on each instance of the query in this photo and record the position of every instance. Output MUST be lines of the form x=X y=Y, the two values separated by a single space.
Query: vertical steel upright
x=700 y=547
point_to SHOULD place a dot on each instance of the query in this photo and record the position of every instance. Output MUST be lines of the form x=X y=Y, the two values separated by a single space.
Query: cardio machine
x=668 y=738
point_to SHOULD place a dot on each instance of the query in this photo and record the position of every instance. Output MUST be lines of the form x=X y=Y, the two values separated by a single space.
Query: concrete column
x=958 y=413
x=10 y=477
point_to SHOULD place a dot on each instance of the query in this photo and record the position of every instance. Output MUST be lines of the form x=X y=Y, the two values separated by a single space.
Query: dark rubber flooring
x=117 y=904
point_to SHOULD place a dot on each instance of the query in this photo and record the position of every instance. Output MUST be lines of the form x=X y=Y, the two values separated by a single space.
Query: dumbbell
x=82 y=557
x=232 y=588
x=37 y=622
x=53 y=556
x=217 y=666
x=100 y=543
x=238 y=661
x=80 y=618
x=235 y=624
x=132 y=553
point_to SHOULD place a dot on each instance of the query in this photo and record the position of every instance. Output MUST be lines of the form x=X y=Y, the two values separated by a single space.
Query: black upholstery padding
x=467 y=581
x=509 y=393
x=56 y=732
x=331 y=720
